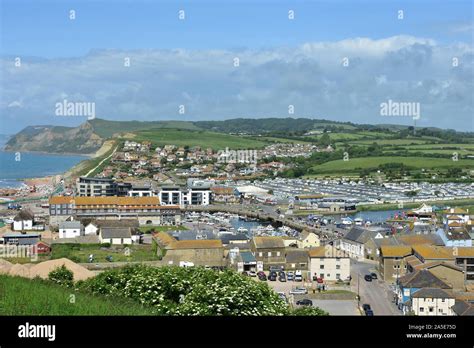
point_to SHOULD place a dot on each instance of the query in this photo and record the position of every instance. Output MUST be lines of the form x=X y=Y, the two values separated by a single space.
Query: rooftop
x=115 y=232
x=195 y=244
x=268 y=242
x=395 y=250
x=432 y=293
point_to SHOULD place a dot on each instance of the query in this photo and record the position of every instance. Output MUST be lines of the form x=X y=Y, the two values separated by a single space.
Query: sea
x=33 y=165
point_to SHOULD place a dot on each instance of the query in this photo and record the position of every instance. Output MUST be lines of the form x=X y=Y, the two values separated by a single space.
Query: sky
x=337 y=60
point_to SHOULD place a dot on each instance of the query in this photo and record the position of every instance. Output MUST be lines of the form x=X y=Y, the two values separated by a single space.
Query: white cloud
x=311 y=77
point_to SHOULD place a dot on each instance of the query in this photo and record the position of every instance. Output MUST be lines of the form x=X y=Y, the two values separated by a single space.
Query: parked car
x=366 y=307
x=281 y=273
x=244 y=273
x=304 y=302
x=298 y=276
x=283 y=296
x=272 y=277
x=262 y=277
x=282 y=277
x=252 y=273
x=368 y=278
x=373 y=275
x=261 y=273
x=290 y=276
x=369 y=313
x=299 y=290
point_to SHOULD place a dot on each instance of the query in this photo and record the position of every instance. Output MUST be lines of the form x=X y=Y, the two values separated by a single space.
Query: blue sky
x=283 y=61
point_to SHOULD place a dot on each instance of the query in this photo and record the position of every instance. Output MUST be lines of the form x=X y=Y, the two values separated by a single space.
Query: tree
x=325 y=140
x=62 y=276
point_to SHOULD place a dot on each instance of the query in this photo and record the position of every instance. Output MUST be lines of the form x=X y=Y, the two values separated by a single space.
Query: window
x=278 y=253
x=260 y=254
x=422 y=309
x=269 y=253
x=321 y=266
x=338 y=266
x=431 y=309
x=443 y=300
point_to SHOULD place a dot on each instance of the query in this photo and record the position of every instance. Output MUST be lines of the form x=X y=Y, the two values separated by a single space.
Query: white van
x=298 y=276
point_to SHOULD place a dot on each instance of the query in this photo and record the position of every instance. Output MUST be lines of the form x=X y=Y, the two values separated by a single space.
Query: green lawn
x=205 y=139
x=22 y=296
x=373 y=162
x=80 y=253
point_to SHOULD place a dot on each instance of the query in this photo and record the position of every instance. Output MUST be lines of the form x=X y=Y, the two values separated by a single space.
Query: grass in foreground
x=22 y=296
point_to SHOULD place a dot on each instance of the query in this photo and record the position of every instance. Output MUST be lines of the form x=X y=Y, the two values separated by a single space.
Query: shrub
x=62 y=276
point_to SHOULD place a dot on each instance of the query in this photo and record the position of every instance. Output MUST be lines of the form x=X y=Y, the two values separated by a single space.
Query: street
x=375 y=293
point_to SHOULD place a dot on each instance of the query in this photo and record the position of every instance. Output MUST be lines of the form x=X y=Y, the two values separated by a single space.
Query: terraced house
x=147 y=210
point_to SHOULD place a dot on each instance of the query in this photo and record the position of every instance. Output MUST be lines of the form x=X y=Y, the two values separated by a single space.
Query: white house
x=91 y=229
x=328 y=263
x=432 y=301
x=70 y=229
x=23 y=221
x=116 y=235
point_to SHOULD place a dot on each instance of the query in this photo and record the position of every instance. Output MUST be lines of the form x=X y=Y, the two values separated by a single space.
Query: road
x=376 y=293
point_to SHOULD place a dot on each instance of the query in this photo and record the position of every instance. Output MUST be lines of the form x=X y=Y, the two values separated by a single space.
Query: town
x=193 y=207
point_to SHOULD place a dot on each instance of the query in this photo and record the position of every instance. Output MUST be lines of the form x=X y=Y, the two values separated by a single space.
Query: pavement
x=375 y=293
x=338 y=307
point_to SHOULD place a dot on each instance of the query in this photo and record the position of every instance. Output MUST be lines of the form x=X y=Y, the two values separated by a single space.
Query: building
x=411 y=283
x=354 y=242
x=463 y=308
x=23 y=221
x=15 y=238
x=268 y=251
x=91 y=229
x=432 y=301
x=207 y=252
x=147 y=210
x=455 y=235
x=296 y=259
x=42 y=248
x=95 y=187
x=309 y=240
x=224 y=194
x=115 y=235
x=70 y=229
x=449 y=273
x=329 y=263
x=392 y=261
x=246 y=261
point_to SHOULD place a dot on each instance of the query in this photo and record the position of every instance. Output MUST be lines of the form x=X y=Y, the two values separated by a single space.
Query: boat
x=358 y=221
x=242 y=229
x=201 y=236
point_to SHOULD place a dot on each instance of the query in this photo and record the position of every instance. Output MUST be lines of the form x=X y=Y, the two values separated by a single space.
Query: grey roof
x=115 y=232
x=431 y=293
x=296 y=256
x=422 y=279
x=20 y=235
x=463 y=308
x=70 y=224
x=268 y=242
x=89 y=239
x=24 y=215
x=360 y=235
x=227 y=238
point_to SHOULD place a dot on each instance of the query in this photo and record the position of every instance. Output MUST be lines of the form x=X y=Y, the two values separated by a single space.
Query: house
x=456 y=214
x=392 y=261
x=207 y=252
x=463 y=308
x=412 y=282
x=23 y=221
x=91 y=229
x=163 y=239
x=309 y=240
x=269 y=251
x=449 y=273
x=296 y=259
x=224 y=194
x=115 y=235
x=455 y=235
x=246 y=262
x=355 y=240
x=329 y=263
x=21 y=238
x=42 y=248
x=70 y=229
x=432 y=301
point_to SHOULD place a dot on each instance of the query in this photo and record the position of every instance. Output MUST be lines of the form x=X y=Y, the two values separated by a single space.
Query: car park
x=304 y=302
x=282 y=277
x=298 y=276
x=272 y=277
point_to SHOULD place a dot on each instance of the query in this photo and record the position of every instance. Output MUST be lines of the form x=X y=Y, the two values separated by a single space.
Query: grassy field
x=205 y=139
x=148 y=229
x=390 y=141
x=463 y=203
x=355 y=164
x=80 y=253
x=22 y=296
